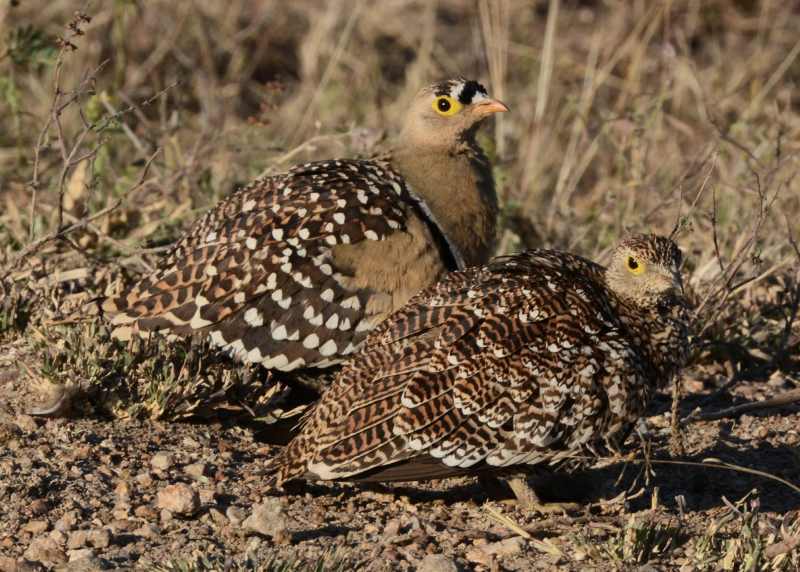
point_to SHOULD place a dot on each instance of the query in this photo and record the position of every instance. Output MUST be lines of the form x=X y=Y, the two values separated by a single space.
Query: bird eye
x=635 y=266
x=446 y=105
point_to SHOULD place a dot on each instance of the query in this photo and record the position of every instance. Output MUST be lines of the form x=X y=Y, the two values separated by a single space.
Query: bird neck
x=457 y=186
x=663 y=332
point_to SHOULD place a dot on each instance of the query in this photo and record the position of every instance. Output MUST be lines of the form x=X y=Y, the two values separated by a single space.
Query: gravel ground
x=90 y=493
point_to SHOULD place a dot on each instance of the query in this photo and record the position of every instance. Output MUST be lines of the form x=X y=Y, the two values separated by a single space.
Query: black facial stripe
x=469 y=90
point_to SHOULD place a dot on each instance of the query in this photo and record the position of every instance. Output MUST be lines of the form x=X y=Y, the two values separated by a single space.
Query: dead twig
x=786 y=398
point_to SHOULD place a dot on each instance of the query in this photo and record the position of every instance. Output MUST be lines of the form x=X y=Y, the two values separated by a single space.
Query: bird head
x=645 y=269
x=448 y=111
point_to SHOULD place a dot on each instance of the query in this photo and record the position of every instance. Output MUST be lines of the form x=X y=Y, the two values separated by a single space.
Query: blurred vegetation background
x=129 y=118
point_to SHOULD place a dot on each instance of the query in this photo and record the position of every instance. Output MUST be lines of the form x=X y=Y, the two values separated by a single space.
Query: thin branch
x=781 y=400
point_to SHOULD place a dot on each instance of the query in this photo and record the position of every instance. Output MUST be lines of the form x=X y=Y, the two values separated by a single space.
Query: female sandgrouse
x=293 y=270
x=532 y=359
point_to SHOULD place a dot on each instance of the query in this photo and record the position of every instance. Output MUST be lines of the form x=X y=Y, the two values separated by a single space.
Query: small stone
x=267 y=519
x=67 y=521
x=217 y=517
x=161 y=461
x=145 y=479
x=179 y=499
x=392 y=528
x=476 y=555
x=197 y=471
x=84 y=560
x=437 y=563
x=58 y=536
x=507 y=547
x=123 y=491
x=120 y=513
x=26 y=423
x=485 y=553
x=147 y=531
x=122 y=525
x=235 y=514
x=37 y=507
x=36 y=527
x=146 y=512
x=80 y=554
x=99 y=538
x=77 y=539
x=190 y=443
x=166 y=517
x=45 y=550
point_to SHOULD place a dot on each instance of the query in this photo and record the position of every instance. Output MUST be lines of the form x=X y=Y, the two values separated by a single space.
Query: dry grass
x=123 y=120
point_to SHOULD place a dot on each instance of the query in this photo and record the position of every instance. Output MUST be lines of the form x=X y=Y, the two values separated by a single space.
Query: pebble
x=513 y=545
x=485 y=553
x=122 y=525
x=267 y=519
x=180 y=499
x=80 y=554
x=84 y=560
x=67 y=521
x=146 y=512
x=147 y=531
x=196 y=470
x=235 y=514
x=437 y=563
x=207 y=495
x=392 y=528
x=161 y=461
x=99 y=538
x=77 y=539
x=45 y=550
x=121 y=513
x=123 y=491
x=26 y=423
x=217 y=517
x=36 y=527
x=145 y=479
x=37 y=507
x=58 y=536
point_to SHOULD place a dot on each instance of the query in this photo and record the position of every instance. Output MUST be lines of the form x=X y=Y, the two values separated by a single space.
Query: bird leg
x=528 y=499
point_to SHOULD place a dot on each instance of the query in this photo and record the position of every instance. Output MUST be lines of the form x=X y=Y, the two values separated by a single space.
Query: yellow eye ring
x=634 y=266
x=446 y=105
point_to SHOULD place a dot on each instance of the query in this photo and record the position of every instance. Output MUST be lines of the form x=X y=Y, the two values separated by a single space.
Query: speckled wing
x=257 y=273
x=510 y=364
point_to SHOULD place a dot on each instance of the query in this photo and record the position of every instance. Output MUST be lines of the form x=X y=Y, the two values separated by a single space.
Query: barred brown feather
x=257 y=273
x=530 y=359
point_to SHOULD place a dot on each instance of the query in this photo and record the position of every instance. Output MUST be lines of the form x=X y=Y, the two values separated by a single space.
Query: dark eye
x=443 y=105
x=632 y=264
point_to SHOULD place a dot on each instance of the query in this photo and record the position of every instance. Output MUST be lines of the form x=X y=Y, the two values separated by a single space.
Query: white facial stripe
x=456 y=90
x=478 y=97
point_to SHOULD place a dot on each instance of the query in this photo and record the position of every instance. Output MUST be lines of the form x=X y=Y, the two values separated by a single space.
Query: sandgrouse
x=532 y=359
x=293 y=270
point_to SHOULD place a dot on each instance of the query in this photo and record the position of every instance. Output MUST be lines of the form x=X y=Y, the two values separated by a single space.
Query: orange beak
x=490 y=106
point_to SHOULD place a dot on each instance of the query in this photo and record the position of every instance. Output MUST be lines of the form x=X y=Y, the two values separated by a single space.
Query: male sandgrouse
x=293 y=270
x=532 y=359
